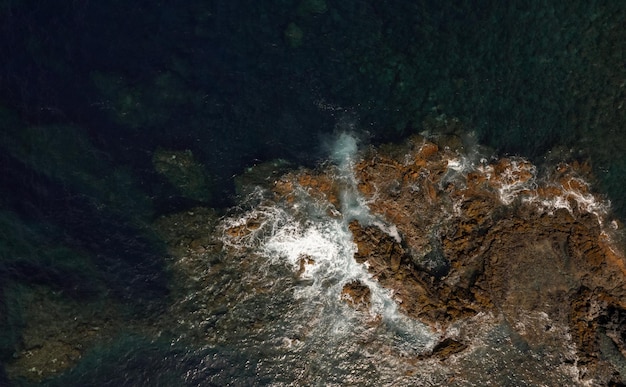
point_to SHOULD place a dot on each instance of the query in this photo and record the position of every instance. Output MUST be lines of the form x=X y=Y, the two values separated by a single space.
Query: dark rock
x=448 y=347
x=434 y=261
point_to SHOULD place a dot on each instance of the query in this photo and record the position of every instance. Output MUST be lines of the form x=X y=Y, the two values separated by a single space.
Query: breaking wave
x=313 y=239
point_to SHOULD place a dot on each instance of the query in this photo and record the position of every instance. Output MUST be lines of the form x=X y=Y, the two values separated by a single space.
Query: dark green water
x=92 y=94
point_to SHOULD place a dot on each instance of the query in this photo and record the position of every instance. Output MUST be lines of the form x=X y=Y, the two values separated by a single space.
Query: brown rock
x=447 y=348
x=512 y=259
x=357 y=295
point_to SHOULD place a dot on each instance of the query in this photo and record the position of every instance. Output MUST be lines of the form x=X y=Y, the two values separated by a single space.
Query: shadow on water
x=62 y=221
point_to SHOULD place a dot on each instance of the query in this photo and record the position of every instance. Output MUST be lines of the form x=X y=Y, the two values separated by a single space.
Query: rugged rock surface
x=489 y=238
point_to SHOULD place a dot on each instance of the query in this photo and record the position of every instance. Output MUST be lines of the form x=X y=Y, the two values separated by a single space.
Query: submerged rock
x=181 y=169
x=293 y=35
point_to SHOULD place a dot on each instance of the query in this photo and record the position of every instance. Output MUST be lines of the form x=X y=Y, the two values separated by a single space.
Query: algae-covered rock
x=262 y=175
x=56 y=332
x=182 y=171
x=293 y=35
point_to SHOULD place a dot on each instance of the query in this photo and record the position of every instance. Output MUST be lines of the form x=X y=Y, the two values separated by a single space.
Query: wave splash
x=313 y=238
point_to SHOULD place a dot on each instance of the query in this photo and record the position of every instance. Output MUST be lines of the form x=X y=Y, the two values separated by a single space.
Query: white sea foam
x=520 y=177
x=460 y=164
x=520 y=180
x=325 y=250
x=585 y=203
x=353 y=205
x=344 y=150
x=320 y=248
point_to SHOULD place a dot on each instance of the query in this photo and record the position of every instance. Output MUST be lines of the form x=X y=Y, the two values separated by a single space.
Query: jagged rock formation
x=483 y=238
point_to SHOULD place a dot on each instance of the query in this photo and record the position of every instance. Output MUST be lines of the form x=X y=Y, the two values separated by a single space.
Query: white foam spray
x=320 y=248
x=353 y=205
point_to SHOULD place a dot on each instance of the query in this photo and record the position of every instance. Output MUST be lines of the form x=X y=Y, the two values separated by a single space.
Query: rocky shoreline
x=491 y=240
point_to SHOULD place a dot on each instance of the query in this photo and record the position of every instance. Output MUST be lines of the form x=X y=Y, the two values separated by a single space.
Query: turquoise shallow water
x=113 y=114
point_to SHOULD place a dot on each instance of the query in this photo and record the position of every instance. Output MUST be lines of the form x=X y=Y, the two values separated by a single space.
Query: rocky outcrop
x=356 y=294
x=489 y=238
